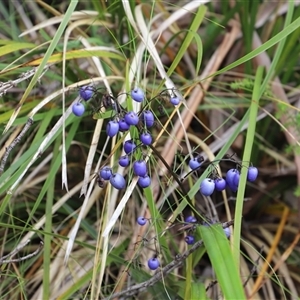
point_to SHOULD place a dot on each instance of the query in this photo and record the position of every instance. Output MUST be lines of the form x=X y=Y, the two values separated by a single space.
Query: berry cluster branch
x=177 y=262
x=4 y=260
x=14 y=143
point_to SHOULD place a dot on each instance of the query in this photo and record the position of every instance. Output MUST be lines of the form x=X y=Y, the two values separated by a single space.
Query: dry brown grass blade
x=264 y=60
x=197 y=96
x=280 y=229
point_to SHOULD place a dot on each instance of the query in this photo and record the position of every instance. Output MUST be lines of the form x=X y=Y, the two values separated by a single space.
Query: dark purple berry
x=123 y=126
x=78 y=109
x=131 y=118
x=190 y=240
x=144 y=181
x=190 y=219
x=124 y=161
x=252 y=174
x=146 y=138
x=117 y=181
x=175 y=100
x=86 y=92
x=141 y=221
x=153 y=263
x=137 y=95
x=112 y=128
x=140 y=168
x=147 y=118
x=105 y=173
x=207 y=187
x=220 y=184
x=129 y=146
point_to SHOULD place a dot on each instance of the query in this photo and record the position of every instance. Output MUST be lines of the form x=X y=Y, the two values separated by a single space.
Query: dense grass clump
x=149 y=150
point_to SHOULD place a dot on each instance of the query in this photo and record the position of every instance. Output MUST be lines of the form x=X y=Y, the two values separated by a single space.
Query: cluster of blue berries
x=121 y=122
x=189 y=223
x=216 y=182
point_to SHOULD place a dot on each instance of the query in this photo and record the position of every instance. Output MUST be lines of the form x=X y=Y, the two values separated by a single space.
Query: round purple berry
x=190 y=240
x=140 y=168
x=105 y=173
x=190 y=219
x=117 y=181
x=112 y=128
x=137 y=94
x=147 y=118
x=220 y=184
x=131 y=118
x=236 y=179
x=86 y=92
x=129 y=146
x=146 y=138
x=175 y=100
x=124 y=161
x=227 y=232
x=153 y=263
x=194 y=163
x=144 y=181
x=252 y=174
x=78 y=109
x=230 y=177
x=141 y=221
x=207 y=187
x=123 y=126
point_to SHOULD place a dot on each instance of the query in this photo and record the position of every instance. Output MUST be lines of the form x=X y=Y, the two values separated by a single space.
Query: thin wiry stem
x=177 y=262
x=14 y=143
x=3 y=259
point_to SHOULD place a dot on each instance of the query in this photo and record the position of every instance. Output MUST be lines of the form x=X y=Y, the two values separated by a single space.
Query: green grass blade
x=192 y=33
x=246 y=158
x=221 y=258
x=47 y=55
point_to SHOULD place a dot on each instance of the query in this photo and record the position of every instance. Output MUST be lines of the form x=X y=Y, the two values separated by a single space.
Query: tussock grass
x=234 y=67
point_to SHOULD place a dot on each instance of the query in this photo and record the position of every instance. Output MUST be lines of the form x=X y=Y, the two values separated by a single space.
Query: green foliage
x=92 y=246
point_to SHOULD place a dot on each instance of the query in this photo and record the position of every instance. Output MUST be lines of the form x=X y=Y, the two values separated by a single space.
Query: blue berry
x=129 y=146
x=190 y=219
x=141 y=221
x=123 y=126
x=112 y=128
x=86 y=92
x=137 y=95
x=131 y=118
x=252 y=174
x=207 y=187
x=78 y=109
x=146 y=138
x=175 y=100
x=194 y=163
x=236 y=179
x=117 y=181
x=190 y=240
x=105 y=173
x=229 y=179
x=227 y=232
x=153 y=263
x=220 y=184
x=144 y=181
x=147 y=118
x=140 y=168
x=124 y=161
